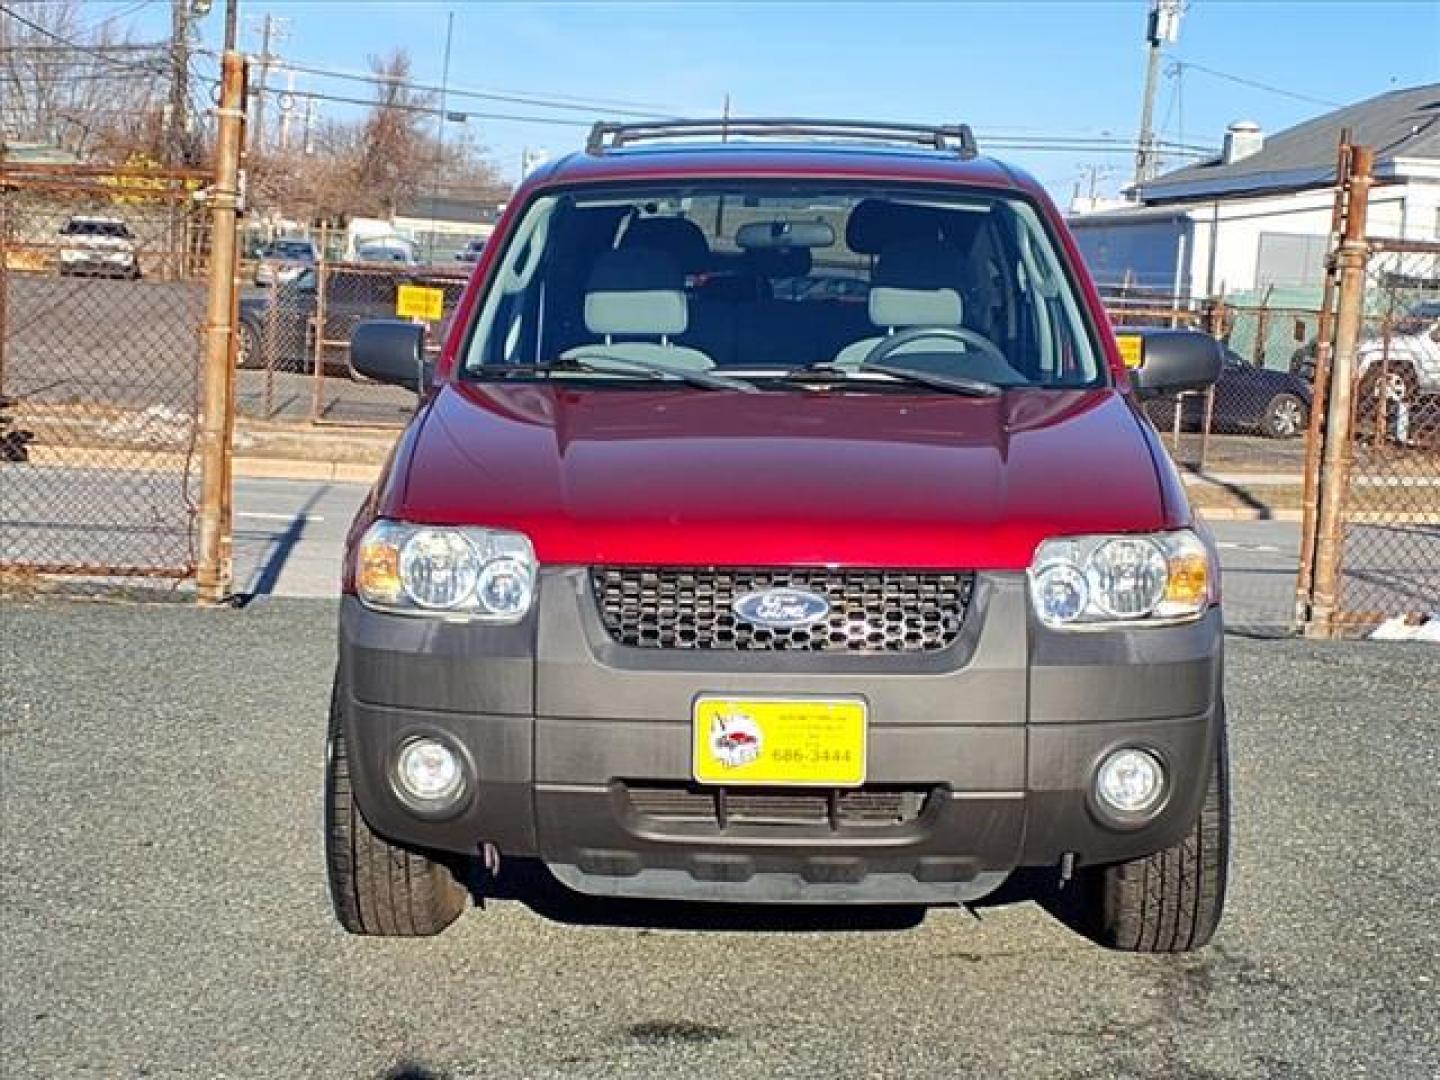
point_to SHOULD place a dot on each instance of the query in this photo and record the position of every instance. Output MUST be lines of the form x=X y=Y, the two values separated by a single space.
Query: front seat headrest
x=678 y=237
x=914 y=285
x=636 y=291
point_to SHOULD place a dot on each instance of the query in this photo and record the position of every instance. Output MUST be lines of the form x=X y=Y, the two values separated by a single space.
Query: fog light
x=430 y=772
x=1130 y=782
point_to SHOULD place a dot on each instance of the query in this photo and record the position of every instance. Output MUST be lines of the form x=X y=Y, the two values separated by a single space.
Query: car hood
x=680 y=476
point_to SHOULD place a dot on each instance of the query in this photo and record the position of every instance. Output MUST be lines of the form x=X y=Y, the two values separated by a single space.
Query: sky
x=1022 y=68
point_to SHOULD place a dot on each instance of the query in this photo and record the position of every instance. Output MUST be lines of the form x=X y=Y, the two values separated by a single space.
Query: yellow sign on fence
x=1132 y=349
x=419 y=302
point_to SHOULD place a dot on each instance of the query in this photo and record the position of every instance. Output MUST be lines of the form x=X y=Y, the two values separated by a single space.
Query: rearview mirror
x=1173 y=361
x=391 y=351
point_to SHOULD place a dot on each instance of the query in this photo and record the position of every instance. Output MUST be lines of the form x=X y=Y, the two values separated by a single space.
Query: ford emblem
x=781 y=609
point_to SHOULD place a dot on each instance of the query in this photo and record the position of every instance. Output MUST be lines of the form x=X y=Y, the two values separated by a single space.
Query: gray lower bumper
x=1003 y=730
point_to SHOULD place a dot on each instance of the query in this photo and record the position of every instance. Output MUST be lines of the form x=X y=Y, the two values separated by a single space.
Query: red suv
x=693 y=587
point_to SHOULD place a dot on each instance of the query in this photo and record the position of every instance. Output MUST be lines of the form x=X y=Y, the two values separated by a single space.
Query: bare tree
x=394 y=154
x=93 y=90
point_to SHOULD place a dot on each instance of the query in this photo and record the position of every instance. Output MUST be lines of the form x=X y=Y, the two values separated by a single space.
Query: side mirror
x=391 y=351
x=1173 y=361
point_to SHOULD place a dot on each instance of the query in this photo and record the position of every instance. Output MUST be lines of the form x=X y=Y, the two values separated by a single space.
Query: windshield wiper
x=951 y=384
x=605 y=363
x=615 y=365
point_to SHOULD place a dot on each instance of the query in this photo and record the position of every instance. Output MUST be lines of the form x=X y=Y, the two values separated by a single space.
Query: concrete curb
x=1246 y=513
x=256 y=468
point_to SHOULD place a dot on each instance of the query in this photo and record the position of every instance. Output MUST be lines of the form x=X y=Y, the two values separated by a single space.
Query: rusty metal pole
x=1320 y=389
x=4 y=285
x=217 y=399
x=322 y=290
x=1335 y=465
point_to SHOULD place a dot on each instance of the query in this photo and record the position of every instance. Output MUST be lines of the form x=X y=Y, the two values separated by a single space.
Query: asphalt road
x=164 y=912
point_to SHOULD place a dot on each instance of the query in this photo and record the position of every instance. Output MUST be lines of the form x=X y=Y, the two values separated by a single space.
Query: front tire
x=1168 y=902
x=380 y=889
x=247 y=347
x=1285 y=417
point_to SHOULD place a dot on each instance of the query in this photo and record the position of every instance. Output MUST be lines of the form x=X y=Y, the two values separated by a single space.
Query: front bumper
x=98 y=262
x=998 y=736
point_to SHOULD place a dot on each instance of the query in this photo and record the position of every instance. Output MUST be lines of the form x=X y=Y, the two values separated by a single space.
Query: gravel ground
x=164 y=911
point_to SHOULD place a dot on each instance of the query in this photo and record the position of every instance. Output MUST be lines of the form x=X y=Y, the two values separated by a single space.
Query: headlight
x=1108 y=580
x=484 y=574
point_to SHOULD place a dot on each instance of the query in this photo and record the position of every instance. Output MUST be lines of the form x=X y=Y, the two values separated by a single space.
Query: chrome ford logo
x=781 y=609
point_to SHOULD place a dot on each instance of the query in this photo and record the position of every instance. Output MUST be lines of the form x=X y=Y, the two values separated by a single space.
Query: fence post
x=4 y=287
x=217 y=393
x=272 y=335
x=322 y=291
x=1320 y=389
x=1350 y=262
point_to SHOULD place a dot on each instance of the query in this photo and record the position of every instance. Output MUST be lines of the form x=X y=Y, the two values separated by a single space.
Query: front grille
x=839 y=808
x=870 y=610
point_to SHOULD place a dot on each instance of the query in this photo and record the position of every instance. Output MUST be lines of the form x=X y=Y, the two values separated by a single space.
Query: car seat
x=638 y=292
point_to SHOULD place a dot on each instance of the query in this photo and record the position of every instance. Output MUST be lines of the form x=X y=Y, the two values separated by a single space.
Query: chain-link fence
x=102 y=280
x=294 y=349
x=1391 y=517
x=1256 y=415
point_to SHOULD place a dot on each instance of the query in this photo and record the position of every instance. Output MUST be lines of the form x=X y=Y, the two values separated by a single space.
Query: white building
x=1258 y=216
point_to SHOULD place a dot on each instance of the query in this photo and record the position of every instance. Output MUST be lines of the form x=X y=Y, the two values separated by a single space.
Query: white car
x=98 y=246
x=1411 y=362
x=284 y=260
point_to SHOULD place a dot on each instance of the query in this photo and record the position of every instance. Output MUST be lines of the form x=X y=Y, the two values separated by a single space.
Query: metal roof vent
x=1243 y=139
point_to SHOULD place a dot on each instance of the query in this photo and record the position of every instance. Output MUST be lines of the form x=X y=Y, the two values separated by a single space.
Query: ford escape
x=779 y=524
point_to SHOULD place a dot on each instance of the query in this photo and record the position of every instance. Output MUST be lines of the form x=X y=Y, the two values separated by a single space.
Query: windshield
x=773 y=283
x=113 y=229
x=292 y=250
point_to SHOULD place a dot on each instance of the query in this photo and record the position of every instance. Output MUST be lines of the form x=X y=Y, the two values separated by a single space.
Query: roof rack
x=605 y=137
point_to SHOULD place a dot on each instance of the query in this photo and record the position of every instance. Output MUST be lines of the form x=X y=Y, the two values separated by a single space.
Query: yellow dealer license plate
x=808 y=742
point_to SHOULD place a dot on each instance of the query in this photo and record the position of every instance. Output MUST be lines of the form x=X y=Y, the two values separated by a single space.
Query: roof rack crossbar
x=606 y=136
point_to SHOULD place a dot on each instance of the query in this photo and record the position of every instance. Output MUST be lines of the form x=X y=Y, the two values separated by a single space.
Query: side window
x=509 y=329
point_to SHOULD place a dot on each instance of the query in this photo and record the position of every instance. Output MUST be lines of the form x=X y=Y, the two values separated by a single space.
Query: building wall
x=1221 y=242
x=1141 y=254
x=1237 y=229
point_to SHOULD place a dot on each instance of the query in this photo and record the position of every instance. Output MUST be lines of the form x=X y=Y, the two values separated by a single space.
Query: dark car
x=695 y=593
x=1248 y=399
x=471 y=252
x=285 y=336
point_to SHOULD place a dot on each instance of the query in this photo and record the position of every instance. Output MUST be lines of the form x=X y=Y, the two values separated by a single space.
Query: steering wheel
x=895 y=342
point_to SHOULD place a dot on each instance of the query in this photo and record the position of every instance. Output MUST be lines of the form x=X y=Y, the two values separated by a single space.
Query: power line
x=118 y=46
x=43 y=32
x=1254 y=85
x=426 y=110
x=558 y=103
x=92 y=27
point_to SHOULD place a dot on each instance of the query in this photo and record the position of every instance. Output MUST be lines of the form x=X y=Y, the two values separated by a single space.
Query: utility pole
x=308 y=143
x=1162 y=27
x=270 y=29
x=175 y=139
x=287 y=110
x=440 y=134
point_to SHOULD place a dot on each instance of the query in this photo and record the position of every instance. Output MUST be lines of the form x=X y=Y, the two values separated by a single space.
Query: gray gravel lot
x=164 y=911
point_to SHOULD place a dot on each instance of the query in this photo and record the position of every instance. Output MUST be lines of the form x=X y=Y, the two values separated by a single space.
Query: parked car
x=391 y=251
x=472 y=251
x=285 y=260
x=1407 y=365
x=718 y=597
x=1417 y=367
x=97 y=247
x=285 y=337
x=1248 y=398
